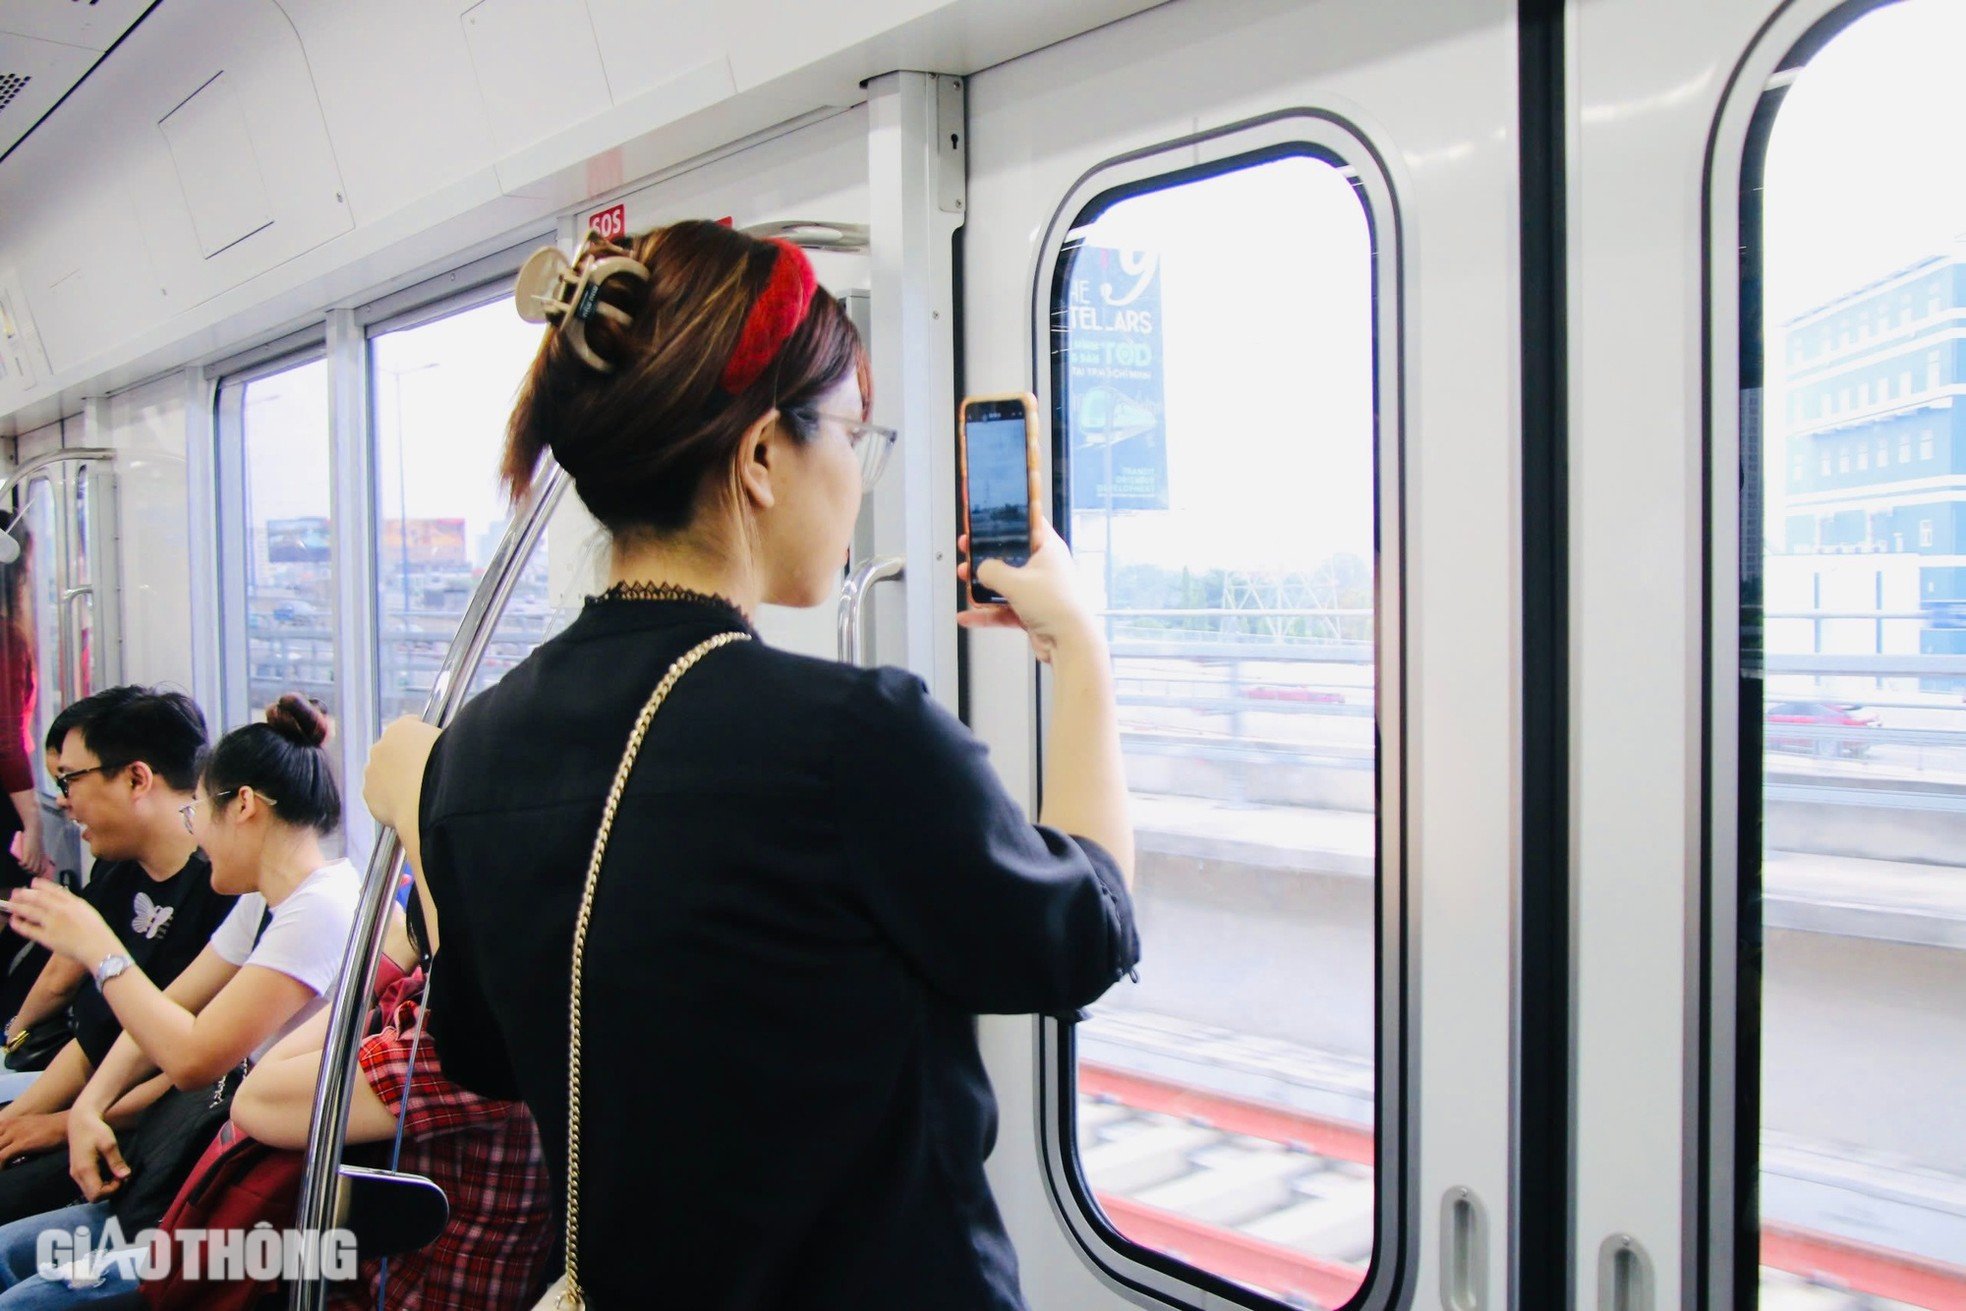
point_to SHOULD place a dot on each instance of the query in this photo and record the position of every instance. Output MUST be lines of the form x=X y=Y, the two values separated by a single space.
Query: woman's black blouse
x=814 y=883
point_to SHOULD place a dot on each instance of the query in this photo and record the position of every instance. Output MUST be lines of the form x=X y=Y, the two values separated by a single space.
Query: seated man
x=28 y=995
x=127 y=767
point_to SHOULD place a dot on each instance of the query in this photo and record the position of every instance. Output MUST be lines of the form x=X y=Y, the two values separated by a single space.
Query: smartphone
x=998 y=458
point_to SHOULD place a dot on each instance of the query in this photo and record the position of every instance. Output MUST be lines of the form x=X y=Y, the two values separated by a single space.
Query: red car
x=1820 y=714
x=1272 y=692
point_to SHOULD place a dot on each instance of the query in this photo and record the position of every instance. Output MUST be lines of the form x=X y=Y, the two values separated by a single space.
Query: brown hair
x=284 y=760
x=300 y=719
x=640 y=440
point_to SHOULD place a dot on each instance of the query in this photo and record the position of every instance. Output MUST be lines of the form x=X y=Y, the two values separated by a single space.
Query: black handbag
x=33 y=1048
x=166 y=1142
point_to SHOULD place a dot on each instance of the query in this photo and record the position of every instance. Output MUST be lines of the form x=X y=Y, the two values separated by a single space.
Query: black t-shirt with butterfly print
x=163 y=926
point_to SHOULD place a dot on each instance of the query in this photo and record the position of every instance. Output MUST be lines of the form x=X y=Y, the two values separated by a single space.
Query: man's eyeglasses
x=184 y=811
x=64 y=781
x=869 y=441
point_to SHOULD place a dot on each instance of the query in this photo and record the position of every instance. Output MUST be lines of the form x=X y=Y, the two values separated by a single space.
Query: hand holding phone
x=1041 y=597
x=998 y=463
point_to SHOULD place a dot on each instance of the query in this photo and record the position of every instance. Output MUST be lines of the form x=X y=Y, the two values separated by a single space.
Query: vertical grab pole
x=917 y=179
x=328 y=1129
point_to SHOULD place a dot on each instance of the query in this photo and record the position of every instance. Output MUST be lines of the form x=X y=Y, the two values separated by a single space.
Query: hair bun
x=300 y=719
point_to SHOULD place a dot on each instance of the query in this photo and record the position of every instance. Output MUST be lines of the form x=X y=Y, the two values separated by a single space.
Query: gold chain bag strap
x=565 y=1293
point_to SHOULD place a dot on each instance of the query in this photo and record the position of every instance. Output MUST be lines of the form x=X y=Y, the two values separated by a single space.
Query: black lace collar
x=674 y=593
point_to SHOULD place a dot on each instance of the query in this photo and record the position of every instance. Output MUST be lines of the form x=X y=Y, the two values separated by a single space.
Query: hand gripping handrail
x=328 y=1131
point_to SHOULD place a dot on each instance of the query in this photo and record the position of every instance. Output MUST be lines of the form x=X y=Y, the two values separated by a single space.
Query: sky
x=1863 y=171
x=449 y=384
x=1267 y=356
x=1862 y=178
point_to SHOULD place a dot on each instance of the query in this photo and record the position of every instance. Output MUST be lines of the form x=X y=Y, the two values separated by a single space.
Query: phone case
x=1031 y=438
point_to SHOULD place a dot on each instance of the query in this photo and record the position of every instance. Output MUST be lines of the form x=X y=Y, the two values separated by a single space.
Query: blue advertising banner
x=1115 y=398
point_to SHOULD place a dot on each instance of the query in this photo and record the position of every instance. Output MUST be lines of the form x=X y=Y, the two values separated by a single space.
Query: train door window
x=442 y=391
x=289 y=599
x=1852 y=786
x=38 y=515
x=1218 y=467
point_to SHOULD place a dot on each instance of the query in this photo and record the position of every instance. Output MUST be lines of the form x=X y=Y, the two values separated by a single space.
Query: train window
x=1216 y=468
x=289 y=563
x=442 y=392
x=1852 y=981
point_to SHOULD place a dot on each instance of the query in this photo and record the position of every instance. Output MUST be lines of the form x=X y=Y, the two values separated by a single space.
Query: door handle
x=71 y=641
x=1624 y=1275
x=1464 y=1251
x=853 y=600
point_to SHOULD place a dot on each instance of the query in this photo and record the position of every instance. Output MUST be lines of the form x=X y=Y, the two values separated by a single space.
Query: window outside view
x=1220 y=467
x=290 y=613
x=442 y=392
x=1858 y=491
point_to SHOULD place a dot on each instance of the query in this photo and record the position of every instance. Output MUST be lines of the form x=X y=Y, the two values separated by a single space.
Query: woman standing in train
x=814 y=881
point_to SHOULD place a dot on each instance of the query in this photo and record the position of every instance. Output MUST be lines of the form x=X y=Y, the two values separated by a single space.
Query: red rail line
x=1343 y=1142
x=1865 y=1269
x=1255 y=1262
x=1274 y=1268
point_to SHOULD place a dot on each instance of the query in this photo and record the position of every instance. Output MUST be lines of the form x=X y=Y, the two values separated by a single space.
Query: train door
x=65 y=518
x=1765 y=485
x=1259 y=263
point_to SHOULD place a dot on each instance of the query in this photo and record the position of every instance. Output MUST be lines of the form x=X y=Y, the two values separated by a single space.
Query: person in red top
x=20 y=859
x=482 y=1151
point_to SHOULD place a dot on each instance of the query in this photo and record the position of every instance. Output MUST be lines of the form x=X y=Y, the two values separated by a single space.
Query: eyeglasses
x=184 y=811
x=64 y=781
x=869 y=441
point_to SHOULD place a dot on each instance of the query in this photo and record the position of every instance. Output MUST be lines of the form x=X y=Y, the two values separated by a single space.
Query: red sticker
x=611 y=223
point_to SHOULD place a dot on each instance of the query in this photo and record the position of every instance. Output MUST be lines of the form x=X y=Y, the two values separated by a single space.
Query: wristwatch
x=112 y=965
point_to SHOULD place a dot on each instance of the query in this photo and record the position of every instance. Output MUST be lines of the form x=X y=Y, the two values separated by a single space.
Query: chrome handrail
x=20 y=473
x=328 y=1130
x=853 y=599
x=69 y=638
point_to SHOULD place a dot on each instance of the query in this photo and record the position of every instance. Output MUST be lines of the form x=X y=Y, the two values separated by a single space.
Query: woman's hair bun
x=300 y=719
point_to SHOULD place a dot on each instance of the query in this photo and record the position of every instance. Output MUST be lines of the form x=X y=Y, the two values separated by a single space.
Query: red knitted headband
x=779 y=309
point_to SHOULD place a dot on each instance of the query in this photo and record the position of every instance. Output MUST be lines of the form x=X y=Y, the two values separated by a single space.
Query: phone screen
x=999 y=487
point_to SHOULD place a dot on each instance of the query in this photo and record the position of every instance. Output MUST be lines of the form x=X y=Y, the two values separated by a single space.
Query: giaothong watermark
x=81 y=1259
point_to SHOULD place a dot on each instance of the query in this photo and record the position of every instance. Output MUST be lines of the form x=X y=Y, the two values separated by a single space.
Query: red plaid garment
x=484 y=1153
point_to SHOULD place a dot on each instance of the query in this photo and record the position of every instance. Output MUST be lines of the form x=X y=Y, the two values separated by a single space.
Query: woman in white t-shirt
x=265 y=801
